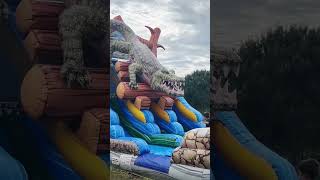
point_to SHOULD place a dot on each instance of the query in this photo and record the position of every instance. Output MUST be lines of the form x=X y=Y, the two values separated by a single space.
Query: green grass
x=117 y=173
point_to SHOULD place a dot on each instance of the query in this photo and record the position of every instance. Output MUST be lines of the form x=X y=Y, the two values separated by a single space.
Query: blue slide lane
x=173 y=127
x=283 y=169
x=117 y=132
x=187 y=123
x=148 y=128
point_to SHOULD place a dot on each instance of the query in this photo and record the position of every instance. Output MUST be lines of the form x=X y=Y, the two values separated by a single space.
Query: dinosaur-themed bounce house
x=153 y=129
x=237 y=153
x=67 y=125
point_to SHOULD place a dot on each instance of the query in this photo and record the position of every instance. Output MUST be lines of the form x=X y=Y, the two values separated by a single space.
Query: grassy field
x=120 y=174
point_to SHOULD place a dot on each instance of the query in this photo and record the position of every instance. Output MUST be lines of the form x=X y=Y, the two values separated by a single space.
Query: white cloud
x=236 y=21
x=185 y=29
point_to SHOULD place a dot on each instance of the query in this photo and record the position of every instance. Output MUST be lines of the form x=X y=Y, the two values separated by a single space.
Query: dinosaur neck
x=125 y=30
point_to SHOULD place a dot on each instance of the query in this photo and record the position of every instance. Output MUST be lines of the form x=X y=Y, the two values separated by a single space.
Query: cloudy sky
x=234 y=21
x=185 y=29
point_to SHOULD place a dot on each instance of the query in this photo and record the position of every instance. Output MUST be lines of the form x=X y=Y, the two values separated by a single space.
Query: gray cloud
x=235 y=21
x=185 y=29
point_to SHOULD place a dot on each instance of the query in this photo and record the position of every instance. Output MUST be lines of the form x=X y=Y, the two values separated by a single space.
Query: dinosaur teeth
x=175 y=87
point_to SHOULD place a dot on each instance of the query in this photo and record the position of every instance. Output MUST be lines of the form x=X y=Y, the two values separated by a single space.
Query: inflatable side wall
x=238 y=154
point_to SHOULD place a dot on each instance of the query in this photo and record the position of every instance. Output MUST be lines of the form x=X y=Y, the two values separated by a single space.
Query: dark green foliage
x=197 y=90
x=279 y=93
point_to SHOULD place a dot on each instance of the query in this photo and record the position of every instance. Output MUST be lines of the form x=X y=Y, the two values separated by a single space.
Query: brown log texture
x=44 y=47
x=44 y=93
x=121 y=66
x=142 y=102
x=94 y=130
x=165 y=102
x=123 y=76
x=35 y=14
x=125 y=92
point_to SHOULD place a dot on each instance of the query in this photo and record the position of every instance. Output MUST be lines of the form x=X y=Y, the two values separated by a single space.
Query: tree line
x=197 y=90
x=279 y=90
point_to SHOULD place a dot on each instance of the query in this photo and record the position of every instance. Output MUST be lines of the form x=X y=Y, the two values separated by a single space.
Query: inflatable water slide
x=68 y=126
x=237 y=153
x=153 y=133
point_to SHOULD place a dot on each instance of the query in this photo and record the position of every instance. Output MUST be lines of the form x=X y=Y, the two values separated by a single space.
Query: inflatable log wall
x=46 y=98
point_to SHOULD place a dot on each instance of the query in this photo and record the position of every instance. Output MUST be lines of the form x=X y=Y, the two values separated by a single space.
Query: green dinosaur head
x=168 y=82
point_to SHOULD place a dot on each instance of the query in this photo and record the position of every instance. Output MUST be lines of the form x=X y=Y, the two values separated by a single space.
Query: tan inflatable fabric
x=197 y=139
x=192 y=157
x=124 y=147
x=195 y=149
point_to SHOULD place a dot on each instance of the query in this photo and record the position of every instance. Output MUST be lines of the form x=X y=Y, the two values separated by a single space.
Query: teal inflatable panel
x=114 y=118
x=116 y=131
x=161 y=150
x=11 y=169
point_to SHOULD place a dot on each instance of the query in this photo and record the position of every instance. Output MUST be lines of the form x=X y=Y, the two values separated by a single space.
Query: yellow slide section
x=185 y=111
x=135 y=111
x=160 y=113
x=244 y=162
x=86 y=164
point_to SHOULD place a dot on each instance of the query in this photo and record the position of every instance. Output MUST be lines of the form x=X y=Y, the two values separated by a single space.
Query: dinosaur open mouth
x=174 y=88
